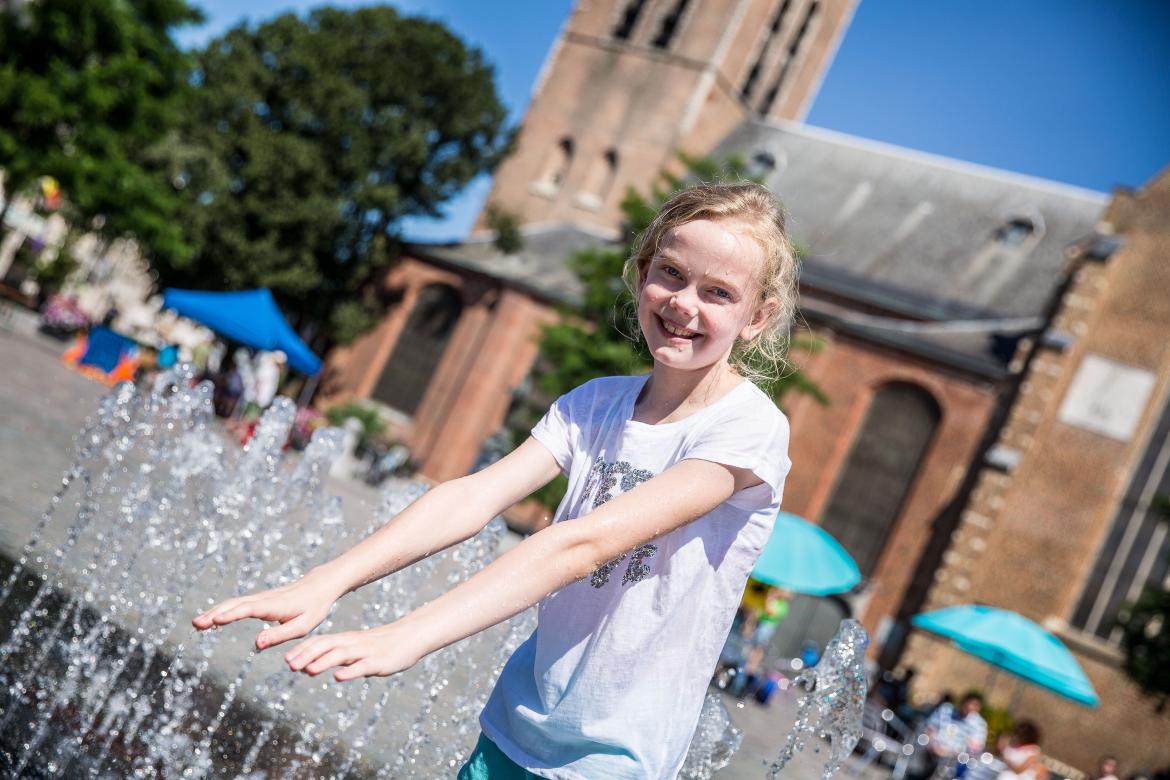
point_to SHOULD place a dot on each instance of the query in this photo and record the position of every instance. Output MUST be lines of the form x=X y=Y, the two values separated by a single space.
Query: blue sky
x=1076 y=91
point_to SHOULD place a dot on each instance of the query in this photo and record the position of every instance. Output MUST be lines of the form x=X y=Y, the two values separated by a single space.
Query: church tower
x=630 y=82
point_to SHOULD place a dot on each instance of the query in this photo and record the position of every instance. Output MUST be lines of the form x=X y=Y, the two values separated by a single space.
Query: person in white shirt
x=956 y=735
x=675 y=479
x=268 y=369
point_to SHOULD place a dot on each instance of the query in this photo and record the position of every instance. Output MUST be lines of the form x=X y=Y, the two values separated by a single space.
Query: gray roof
x=892 y=236
x=913 y=233
x=539 y=267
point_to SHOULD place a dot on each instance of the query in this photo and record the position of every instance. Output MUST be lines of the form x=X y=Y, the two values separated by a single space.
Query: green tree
x=599 y=336
x=1145 y=638
x=508 y=239
x=1145 y=641
x=307 y=141
x=85 y=87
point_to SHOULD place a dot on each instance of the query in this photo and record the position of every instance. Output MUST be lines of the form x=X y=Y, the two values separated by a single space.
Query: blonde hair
x=756 y=207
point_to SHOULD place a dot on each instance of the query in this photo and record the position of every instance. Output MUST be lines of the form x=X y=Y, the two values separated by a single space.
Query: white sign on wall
x=1107 y=397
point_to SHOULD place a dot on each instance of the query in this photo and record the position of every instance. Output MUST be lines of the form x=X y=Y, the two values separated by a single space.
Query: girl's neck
x=670 y=395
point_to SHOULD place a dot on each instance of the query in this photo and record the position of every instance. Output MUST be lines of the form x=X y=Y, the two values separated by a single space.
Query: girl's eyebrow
x=724 y=281
x=674 y=259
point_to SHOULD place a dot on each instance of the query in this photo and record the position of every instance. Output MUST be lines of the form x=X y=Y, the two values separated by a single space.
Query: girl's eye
x=670 y=270
x=721 y=293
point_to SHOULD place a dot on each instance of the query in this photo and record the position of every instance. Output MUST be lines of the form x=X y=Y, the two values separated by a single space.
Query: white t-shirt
x=611 y=683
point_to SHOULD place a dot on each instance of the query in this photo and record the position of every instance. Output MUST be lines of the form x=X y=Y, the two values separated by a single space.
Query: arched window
x=1013 y=233
x=411 y=366
x=762 y=164
x=879 y=471
x=557 y=167
x=629 y=18
x=599 y=180
x=670 y=24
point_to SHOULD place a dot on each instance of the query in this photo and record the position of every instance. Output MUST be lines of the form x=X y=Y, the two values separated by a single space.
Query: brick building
x=1063 y=524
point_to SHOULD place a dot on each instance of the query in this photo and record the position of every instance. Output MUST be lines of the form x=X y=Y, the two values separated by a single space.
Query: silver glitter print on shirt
x=603 y=478
x=637 y=570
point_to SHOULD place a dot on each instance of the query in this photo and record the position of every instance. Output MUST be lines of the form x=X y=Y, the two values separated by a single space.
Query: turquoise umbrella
x=1012 y=643
x=805 y=558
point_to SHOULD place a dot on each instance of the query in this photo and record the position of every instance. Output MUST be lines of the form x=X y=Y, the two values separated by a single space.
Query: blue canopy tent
x=250 y=317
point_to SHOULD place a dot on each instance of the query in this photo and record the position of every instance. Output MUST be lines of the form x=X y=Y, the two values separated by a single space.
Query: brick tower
x=630 y=82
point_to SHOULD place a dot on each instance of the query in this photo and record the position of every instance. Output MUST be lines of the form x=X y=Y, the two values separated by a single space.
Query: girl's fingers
x=293 y=658
x=207 y=619
x=294 y=628
x=225 y=616
x=227 y=612
x=337 y=656
x=355 y=670
x=306 y=651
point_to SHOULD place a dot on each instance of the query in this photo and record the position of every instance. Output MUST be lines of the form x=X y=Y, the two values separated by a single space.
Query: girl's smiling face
x=700 y=292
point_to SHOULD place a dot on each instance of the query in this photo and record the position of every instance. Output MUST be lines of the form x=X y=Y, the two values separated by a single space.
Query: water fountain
x=834 y=690
x=102 y=677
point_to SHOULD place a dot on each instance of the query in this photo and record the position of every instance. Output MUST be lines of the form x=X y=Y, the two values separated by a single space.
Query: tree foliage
x=1146 y=643
x=85 y=87
x=599 y=337
x=508 y=237
x=1145 y=638
x=306 y=142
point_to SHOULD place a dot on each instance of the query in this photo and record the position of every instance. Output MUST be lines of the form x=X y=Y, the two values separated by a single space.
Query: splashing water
x=832 y=704
x=715 y=742
x=101 y=676
x=157 y=516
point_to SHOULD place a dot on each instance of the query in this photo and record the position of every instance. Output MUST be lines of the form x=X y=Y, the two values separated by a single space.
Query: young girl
x=675 y=479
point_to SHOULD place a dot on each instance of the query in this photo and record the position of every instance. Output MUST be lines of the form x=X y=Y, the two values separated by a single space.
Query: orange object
x=74 y=353
x=124 y=371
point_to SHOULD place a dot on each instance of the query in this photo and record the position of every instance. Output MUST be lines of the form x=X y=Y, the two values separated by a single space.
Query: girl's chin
x=671 y=357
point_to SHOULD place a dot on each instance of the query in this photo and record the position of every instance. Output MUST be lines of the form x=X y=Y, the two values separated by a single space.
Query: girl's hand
x=375 y=652
x=298 y=607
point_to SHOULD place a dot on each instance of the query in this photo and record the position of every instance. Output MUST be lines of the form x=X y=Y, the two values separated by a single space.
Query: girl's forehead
x=729 y=246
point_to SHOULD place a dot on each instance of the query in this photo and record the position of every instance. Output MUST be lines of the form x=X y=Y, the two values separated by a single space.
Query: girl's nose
x=683 y=302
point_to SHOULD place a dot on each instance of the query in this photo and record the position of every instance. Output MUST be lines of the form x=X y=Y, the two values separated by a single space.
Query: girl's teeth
x=677 y=331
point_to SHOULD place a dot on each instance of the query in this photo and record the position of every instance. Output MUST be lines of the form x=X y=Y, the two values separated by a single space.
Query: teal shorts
x=488 y=762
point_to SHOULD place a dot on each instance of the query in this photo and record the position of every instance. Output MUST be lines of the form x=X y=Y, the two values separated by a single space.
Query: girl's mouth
x=675 y=332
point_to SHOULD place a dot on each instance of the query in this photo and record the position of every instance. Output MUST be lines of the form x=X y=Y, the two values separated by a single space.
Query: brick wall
x=850 y=372
x=489 y=353
x=1029 y=536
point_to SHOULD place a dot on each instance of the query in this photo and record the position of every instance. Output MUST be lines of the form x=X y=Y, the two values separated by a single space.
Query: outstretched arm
x=446 y=515
x=542 y=564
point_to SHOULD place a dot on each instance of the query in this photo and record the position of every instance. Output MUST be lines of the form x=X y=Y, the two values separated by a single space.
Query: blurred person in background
x=1106 y=768
x=954 y=733
x=269 y=368
x=759 y=630
x=1022 y=755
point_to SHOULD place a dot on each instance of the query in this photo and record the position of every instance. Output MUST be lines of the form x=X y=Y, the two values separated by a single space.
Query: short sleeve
x=751 y=436
x=555 y=431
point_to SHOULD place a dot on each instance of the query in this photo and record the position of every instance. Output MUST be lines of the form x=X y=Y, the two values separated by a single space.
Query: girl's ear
x=760 y=319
